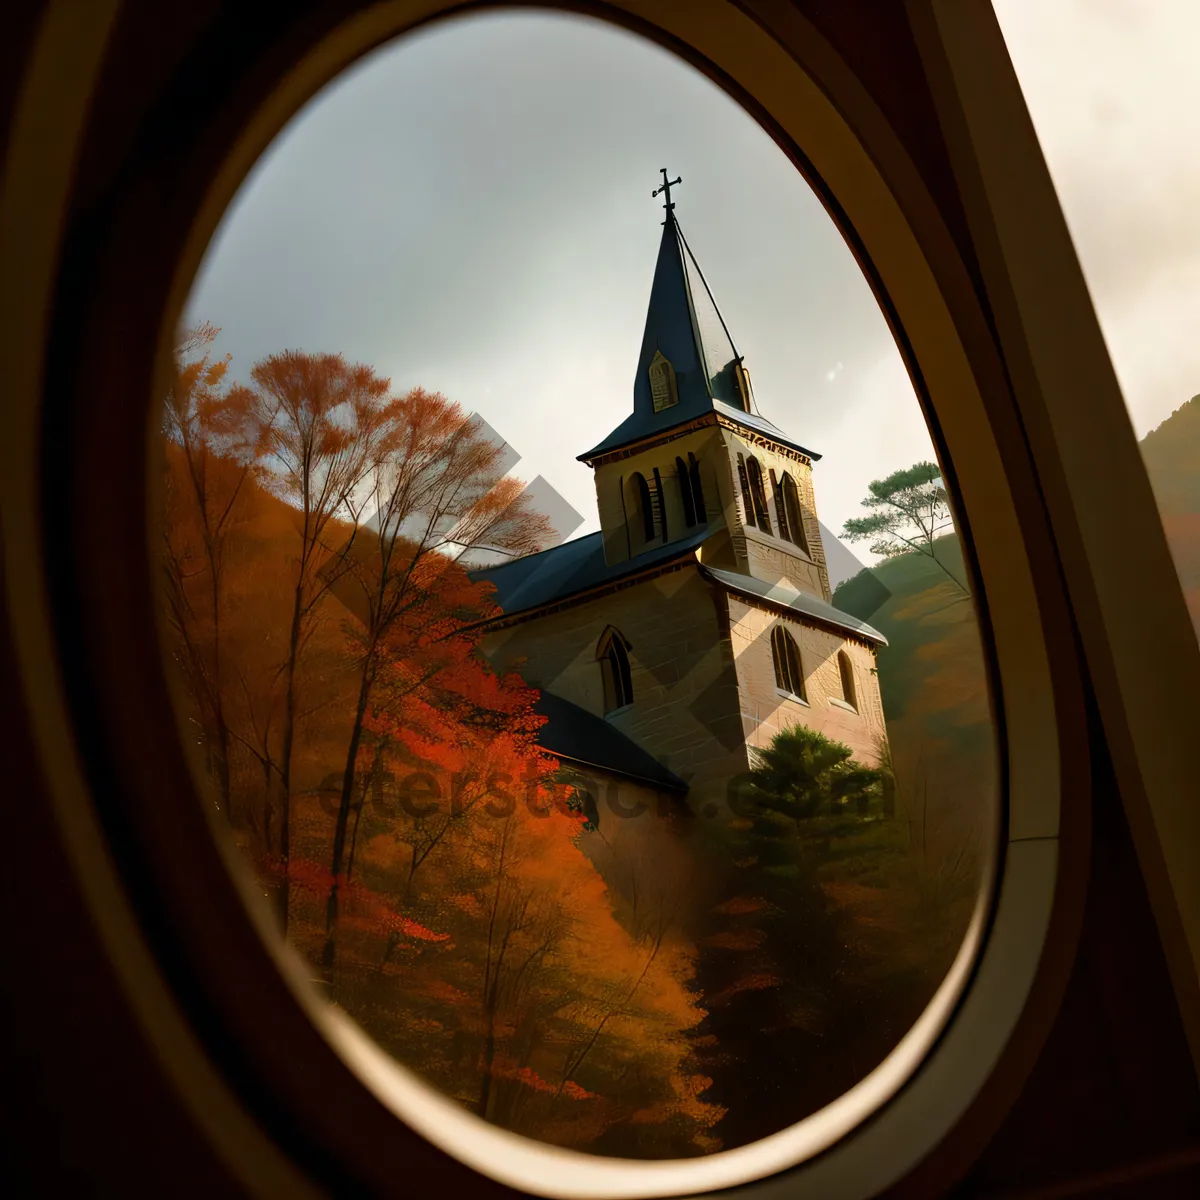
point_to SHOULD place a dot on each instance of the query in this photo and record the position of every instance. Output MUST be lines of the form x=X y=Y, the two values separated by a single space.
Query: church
x=697 y=622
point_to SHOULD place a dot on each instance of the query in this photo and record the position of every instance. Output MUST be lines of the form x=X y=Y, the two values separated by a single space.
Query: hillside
x=933 y=682
x=1172 y=457
x=932 y=674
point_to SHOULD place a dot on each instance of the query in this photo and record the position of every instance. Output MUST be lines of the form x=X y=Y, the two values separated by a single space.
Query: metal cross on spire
x=667 y=185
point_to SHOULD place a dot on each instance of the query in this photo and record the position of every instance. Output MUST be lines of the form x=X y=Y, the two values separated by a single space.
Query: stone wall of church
x=765 y=710
x=776 y=561
x=685 y=708
x=617 y=504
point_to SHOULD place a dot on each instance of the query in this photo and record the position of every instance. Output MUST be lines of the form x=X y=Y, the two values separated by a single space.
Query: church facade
x=698 y=621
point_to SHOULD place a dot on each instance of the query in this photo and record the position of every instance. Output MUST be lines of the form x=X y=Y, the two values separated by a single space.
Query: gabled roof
x=683 y=323
x=573 y=567
x=582 y=737
x=799 y=602
x=757 y=424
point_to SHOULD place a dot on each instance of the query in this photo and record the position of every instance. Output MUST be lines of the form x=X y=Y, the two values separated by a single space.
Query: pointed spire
x=688 y=358
x=688 y=364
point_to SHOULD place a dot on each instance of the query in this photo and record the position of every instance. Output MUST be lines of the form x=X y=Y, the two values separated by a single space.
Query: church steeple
x=688 y=358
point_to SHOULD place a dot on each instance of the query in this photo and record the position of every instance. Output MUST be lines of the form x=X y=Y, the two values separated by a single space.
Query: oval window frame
x=1039 y=892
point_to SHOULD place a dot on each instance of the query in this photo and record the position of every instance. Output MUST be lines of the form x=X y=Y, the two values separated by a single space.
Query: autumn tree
x=436 y=488
x=907 y=512
x=208 y=462
x=321 y=424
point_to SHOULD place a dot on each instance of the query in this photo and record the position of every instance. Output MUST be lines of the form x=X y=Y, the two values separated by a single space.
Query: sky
x=1114 y=92
x=469 y=210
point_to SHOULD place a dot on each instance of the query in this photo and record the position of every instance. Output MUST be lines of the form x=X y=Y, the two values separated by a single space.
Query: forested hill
x=933 y=683
x=1172 y=457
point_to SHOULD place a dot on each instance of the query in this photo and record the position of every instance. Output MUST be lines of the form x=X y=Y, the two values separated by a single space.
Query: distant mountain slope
x=932 y=674
x=1172 y=457
x=933 y=682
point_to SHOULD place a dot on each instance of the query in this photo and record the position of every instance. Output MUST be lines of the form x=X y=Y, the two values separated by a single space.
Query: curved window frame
x=686 y=495
x=612 y=653
x=788 y=664
x=959 y=355
x=758 y=494
x=789 y=506
x=643 y=514
x=697 y=489
x=849 y=688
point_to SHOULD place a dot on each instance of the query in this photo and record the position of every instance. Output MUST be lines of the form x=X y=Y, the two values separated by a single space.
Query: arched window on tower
x=744 y=481
x=787 y=508
x=643 y=509
x=758 y=495
x=612 y=652
x=786 y=655
x=697 y=488
x=685 y=492
x=846 y=674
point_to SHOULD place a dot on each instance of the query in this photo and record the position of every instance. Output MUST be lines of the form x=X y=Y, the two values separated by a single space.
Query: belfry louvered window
x=697 y=488
x=685 y=492
x=744 y=481
x=658 y=505
x=641 y=496
x=758 y=495
x=789 y=512
x=781 y=513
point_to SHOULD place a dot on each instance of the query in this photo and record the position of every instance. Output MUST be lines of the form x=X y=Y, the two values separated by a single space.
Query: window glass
x=1115 y=97
x=416 y=458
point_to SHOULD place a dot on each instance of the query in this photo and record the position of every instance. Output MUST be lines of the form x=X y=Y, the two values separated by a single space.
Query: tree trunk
x=285 y=764
x=329 y=955
x=218 y=695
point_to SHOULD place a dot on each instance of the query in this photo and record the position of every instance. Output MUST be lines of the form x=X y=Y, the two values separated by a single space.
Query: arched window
x=758 y=496
x=744 y=481
x=644 y=510
x=613 y=655
x=781 y=513
x=697 y=488
x=658 y=506
x=786 y=655
x=787 y=507
x=846 y=672
x=663 y=392
x=685 y=492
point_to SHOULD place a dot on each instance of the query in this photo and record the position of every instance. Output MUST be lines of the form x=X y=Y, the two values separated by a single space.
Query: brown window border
x=91 y=280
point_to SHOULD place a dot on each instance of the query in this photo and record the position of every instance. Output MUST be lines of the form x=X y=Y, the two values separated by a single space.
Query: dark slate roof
x=576 y=734
x=572 y=567
x=760 y=425
x=683 y=322
x=800 y=602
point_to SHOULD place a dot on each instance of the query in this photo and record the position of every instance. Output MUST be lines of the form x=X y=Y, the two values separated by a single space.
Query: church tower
x=697 y=623
x=695 y=461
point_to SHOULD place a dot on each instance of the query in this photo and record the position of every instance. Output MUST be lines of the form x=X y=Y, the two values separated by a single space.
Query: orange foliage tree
x=321 y=424
x=556 y=1018
x=205 y=430
x=475 y=936
x=435 y=486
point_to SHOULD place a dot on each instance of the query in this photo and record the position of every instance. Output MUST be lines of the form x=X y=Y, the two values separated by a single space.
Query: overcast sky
x=469 y=210
x=1113 y=87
